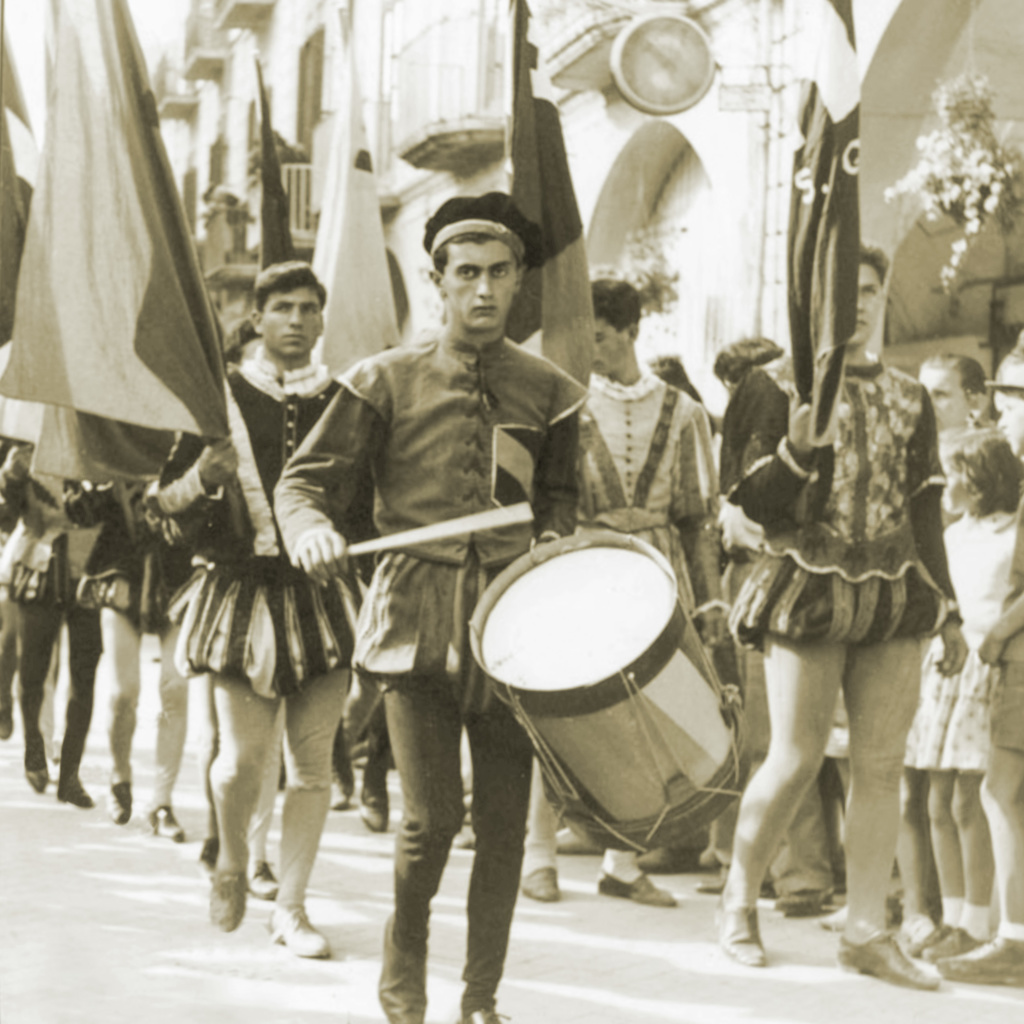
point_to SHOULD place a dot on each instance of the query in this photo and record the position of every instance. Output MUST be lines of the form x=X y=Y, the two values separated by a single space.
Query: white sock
x=952 y=908
x=621 y=864
x=1009 y=930
x=974 y=921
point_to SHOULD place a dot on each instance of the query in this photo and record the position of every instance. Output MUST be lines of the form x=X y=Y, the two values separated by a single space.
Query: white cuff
x=786 y=455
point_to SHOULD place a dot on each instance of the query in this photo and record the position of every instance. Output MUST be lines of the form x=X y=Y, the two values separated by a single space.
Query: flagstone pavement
x=100 y=923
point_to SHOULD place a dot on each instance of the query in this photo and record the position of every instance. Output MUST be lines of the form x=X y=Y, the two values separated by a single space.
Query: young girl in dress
x=950 y=737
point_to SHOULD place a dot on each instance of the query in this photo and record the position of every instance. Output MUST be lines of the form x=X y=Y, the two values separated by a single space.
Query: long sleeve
x=556 y=483
x=325 y=482
x=759 y=472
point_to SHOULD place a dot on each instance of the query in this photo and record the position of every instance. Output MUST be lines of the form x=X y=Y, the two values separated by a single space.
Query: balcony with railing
x=243 y=13
x=205 y=44
x=447 y=108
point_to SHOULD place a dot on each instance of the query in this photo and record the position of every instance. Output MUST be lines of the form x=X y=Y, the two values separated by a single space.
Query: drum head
x=573 y=612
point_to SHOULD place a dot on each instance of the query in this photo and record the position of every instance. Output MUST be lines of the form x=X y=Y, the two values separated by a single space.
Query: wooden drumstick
x=507 y=515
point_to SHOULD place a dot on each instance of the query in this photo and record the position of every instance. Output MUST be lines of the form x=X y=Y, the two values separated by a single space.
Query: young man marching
x=445 y=429
x=262 y=630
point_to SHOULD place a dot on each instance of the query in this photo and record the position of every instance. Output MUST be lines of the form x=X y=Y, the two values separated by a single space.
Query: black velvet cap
x=477 y=212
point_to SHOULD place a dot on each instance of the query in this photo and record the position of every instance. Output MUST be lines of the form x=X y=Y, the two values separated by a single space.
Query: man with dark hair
x=257 y=625
x=442 y=429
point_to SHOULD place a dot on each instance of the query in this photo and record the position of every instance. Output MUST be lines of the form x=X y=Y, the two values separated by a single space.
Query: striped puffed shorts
x=265 y=621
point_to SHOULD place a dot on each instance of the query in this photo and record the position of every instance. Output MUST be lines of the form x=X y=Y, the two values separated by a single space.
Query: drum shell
x=645 y=757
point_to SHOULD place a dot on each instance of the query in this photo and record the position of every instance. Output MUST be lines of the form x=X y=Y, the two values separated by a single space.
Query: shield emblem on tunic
x=515 y=458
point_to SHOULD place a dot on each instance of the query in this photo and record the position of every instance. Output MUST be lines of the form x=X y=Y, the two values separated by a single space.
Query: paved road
x=106 y=924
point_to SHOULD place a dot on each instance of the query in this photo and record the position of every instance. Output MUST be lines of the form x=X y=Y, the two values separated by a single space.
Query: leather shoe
x=341 y=796
x=291 y=929
x=542 y=885
x=373 y=809
x=119 y=803
x=740 y=936
x=999 y=962
x=956 y=943
x=803 y=902
x=38 y=778
x=262 y=883
x=71 y=791
x=643 y=890
x=6 y=719
x=163 y=823
x=917 y=936
x=227 y=899
x=883 y=958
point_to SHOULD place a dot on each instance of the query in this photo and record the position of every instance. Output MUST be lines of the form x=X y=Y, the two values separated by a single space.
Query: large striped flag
x=18 y=161
x=555 y=298
x=350 y=256
x=275 y=231
x=112 y=319
x=824 y=225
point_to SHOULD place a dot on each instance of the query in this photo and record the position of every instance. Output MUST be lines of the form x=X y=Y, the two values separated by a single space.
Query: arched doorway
x=654 y=212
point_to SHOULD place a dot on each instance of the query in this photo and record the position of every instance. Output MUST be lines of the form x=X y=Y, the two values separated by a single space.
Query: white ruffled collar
x=263 y=374
x=647 y=384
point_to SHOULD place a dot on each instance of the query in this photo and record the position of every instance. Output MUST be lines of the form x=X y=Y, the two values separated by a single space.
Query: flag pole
x=3 y=78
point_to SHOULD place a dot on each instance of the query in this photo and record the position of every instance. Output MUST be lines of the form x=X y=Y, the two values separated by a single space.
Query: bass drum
x=637 y=739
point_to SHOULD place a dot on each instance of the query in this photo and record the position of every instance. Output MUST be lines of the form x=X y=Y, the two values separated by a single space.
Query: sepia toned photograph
x=511 y=511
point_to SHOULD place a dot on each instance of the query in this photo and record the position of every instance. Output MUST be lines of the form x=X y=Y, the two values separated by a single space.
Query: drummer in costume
x=647 y=469
x=444 y=429
x=853 y=575
x=259 y=626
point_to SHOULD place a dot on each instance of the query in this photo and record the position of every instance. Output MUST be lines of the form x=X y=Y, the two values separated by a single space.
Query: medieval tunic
x=247 y=611
x=442 y=431
x=647 y=469
x=853 y=539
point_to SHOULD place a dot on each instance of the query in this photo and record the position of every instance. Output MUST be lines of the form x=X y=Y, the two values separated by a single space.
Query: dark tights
x=39 y=629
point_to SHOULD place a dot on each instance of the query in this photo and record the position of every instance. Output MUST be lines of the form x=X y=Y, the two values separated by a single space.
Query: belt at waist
x=628 y=520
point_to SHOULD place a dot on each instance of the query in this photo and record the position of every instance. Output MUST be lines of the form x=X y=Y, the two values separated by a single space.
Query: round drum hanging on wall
x=662 y=63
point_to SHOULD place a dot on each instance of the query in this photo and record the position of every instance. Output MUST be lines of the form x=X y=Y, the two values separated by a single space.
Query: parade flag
x=112 y=318
x=275 y=232
x=18 y=162
x=350 y=256
x=824 y=223
x=554 y=298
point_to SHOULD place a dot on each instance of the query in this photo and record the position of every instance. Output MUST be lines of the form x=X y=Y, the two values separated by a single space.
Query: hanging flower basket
x=964 y=171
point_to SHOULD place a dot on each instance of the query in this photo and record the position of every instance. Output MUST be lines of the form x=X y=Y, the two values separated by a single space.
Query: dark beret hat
x=496 y=207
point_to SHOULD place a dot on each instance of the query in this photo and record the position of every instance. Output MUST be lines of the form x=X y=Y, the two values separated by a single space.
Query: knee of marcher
x=124 y=703
x=434 y=824
x=173 y=694
x=878 y=771
x=309 y=781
